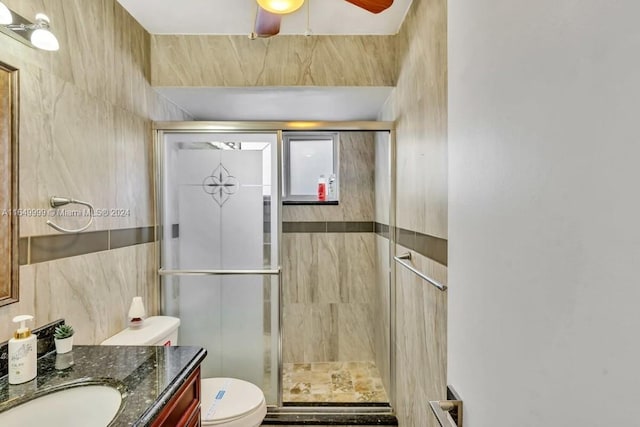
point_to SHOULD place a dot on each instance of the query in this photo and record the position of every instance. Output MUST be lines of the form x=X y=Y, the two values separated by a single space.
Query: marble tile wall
x=328 y=283
x=382 y=178
x=85 y=132
x=329 y=278
x=421 y=342
x=92 y=292
x=382 y=308
x=181 y=60
x=382 y=292
x=357 y=165
x=419 y=107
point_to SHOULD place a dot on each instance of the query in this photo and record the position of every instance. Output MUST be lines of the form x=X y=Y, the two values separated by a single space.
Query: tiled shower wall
x=419 y=107
x=382 y=290
x=329 y=277
x=85 y=132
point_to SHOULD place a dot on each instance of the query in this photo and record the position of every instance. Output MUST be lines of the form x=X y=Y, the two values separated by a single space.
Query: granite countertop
x=148 y=377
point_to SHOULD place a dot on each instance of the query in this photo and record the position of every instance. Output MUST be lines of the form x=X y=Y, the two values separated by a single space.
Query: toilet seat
x=231 y=402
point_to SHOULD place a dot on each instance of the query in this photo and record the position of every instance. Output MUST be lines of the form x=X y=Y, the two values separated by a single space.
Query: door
x=219 y=265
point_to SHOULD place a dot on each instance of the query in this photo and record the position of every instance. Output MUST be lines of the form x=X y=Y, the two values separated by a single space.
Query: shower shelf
x=310 y=202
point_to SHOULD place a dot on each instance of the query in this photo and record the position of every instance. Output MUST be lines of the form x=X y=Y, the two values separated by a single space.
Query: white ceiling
x=280 y=103
x=237 y=17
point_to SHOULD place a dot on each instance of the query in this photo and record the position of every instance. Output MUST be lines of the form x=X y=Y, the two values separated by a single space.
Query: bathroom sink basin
x=82 y=406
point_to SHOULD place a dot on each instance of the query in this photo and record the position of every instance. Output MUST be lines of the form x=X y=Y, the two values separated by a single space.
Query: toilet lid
x=224 y=399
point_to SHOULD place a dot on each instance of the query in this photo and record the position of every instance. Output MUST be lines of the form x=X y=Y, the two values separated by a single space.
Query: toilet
x=227 y=402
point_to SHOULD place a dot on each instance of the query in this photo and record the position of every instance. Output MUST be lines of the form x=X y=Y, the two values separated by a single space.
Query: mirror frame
x=9 y=292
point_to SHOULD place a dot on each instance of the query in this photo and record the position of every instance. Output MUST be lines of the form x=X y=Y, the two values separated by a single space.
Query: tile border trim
x=37 y=249
x=328 y=227
x=50 y=247
x=432 y=247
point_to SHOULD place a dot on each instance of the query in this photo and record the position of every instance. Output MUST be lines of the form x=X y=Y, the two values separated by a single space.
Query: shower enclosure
x=219 y=262
x=297 y=299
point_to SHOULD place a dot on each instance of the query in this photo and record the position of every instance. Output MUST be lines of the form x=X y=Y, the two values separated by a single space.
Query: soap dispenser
x=23 y=360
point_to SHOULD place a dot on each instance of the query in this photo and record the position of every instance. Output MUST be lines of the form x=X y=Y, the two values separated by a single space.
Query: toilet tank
x=156 y=330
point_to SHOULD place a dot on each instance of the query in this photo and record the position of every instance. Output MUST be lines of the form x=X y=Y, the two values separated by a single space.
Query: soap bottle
x=23 y=360
x=322 y=188
x=332 y=187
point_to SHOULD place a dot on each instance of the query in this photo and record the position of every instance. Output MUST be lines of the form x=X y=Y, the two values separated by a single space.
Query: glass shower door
x=219 y=259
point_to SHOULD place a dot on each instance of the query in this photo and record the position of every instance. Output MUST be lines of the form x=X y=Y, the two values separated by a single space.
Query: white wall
x=544 y=213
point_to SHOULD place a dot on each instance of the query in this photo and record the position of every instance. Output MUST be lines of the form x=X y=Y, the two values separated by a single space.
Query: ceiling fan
x=270 y=13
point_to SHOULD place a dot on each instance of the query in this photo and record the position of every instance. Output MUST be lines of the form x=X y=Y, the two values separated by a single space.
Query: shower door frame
x=278 y=127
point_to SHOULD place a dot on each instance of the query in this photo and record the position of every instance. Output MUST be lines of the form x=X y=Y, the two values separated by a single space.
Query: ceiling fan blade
x=373 y=6
x=267 y=23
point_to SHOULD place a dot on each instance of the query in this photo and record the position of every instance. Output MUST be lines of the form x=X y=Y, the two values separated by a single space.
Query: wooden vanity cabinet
x=183 y=410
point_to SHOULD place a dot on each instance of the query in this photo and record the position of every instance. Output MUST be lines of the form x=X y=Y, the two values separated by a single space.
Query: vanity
x=158 y=386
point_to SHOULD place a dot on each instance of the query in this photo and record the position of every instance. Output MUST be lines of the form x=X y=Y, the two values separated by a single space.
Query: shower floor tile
x=340 y=382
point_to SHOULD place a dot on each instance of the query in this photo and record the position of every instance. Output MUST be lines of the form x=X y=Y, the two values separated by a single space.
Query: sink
x=82 y=406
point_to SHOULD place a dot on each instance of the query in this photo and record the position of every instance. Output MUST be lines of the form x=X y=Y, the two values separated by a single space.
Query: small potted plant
x=63 y=337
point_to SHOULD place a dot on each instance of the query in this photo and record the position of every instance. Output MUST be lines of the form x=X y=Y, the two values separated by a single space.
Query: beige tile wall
x=329 y=278
x=85 y=132
x=382 y=306
x=419 y=107
x=382 y=310
x=357 y=164
x=236 y=61
x=420 y=110
x=328 y=283
x=421 y=343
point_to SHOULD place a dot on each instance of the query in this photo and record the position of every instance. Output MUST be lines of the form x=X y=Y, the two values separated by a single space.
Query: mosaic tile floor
x=340 y=382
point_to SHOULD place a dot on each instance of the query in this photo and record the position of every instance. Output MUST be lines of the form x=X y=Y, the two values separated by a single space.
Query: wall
x=179 y=60
x=419 y=107
x=85 y=132
x=382 y=292
x=329 y=277
x=544 y=99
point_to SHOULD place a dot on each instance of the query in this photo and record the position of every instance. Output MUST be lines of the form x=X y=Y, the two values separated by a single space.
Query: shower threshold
x=347 y=415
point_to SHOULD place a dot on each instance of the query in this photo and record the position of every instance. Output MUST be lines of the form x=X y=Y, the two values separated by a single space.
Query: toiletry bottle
x=23 y=360
x=332 y=186
x=322 y=188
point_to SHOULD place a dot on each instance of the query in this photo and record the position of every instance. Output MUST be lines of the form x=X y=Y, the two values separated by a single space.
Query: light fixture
x=6 y=17
x=41 y=37
x=280 y=7
x=35 y=34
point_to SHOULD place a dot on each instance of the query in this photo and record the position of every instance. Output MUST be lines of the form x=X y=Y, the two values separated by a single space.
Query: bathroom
x=97 y=98
x=86 y=130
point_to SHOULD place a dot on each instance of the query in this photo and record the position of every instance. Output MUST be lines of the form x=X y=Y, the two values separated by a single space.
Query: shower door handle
x=274 y=272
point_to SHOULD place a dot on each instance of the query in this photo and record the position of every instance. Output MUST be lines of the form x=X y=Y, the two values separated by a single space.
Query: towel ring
x=57 y=202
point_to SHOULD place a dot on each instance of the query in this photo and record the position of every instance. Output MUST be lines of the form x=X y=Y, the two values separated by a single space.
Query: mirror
x=9 y=283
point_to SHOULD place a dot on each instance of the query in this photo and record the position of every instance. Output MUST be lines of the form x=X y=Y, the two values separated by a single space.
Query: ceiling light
x=41 y=37
x=6 y=17
x=280 y=7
